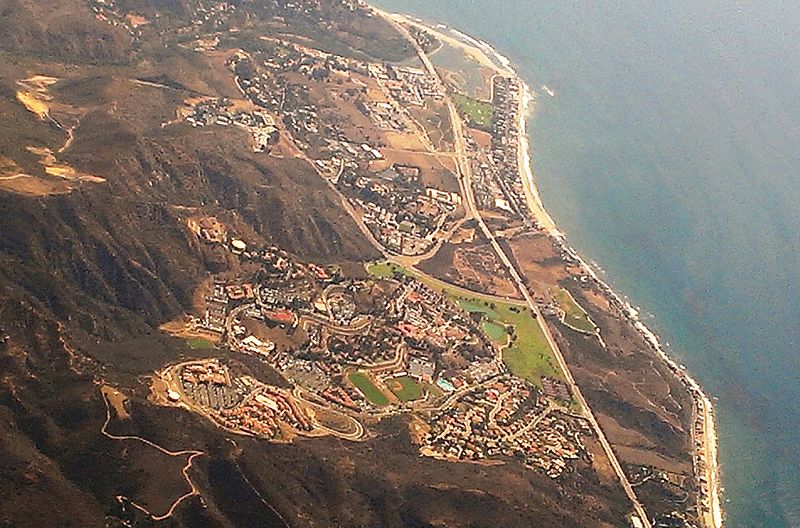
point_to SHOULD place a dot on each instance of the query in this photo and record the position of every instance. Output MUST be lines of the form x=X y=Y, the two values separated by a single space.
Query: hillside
x=131 y=125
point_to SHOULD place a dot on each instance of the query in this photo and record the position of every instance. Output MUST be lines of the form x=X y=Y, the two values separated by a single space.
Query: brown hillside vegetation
x=60 y=30
x=99 y=177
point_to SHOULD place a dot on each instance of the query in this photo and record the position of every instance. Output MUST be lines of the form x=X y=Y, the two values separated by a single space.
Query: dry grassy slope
x=114 y=260
x=116 y=256
x=61 y=30
x=121 y=248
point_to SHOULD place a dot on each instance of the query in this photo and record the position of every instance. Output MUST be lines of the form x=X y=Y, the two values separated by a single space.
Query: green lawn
x=199 y=343
x=474 y=305
x=405 y=388
x=384 y=270
x=574 y=316
x=370 y=391
x=495 y=331
x=529 y=355
x=478 y=113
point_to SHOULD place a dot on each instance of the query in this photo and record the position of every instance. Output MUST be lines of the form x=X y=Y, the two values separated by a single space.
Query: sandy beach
x=706 y=448
x=459 y=40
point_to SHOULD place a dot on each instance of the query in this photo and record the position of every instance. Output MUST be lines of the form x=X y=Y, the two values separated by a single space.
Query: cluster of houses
x=221 y=112
x=402 y=214
x=408 y=85
x=506 y=417
x=496 y=172
x=411 y=331
x=506 y=94
x=275 y=295
x=238 y=402
x=266 y=412
x=209 y=384
x=276 y=80
x=406 y=329
x=385 y=115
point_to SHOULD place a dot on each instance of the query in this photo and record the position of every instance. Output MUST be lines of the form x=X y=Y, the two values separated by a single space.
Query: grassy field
x=370 y=391
x=384 y=270
x=574 y=315
x=199 y=343
x=470 y=304
x=495 y=331
x=405 y=388
x=528 y=356
x=478 y=113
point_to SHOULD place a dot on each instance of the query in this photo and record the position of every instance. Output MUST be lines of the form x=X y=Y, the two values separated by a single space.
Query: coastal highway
x=465 y=170
x=638 y=508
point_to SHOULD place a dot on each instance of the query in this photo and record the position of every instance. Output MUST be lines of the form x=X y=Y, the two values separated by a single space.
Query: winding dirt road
x=191 y=454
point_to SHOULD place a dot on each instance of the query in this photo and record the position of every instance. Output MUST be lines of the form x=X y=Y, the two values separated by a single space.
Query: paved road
x=465 y=170
x=358 y=429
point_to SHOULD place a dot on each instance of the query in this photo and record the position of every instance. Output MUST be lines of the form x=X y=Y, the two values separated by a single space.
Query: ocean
x=670 y=157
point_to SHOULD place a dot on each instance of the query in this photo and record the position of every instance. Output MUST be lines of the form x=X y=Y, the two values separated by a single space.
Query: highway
x=465 y=178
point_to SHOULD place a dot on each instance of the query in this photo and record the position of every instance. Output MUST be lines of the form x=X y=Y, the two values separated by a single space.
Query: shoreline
x=703 y=412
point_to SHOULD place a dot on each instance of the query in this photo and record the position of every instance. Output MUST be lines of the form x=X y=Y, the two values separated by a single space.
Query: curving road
x=192 y=454
x=465 y=170
x=357 y=434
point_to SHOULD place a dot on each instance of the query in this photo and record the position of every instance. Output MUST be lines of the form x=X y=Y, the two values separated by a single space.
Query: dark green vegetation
x=477 y=113
x=368 y=388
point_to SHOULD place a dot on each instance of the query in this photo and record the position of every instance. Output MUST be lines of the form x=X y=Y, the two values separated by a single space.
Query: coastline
x=706 y=465
x=703 y=411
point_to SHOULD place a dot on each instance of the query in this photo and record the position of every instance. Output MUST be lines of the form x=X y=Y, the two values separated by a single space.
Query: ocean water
x=670 y=155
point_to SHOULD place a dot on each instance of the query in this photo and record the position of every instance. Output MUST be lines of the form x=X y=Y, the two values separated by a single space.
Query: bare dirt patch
x=540 y=261
x=472 y=265
x=436 y=170
x=117 y=401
